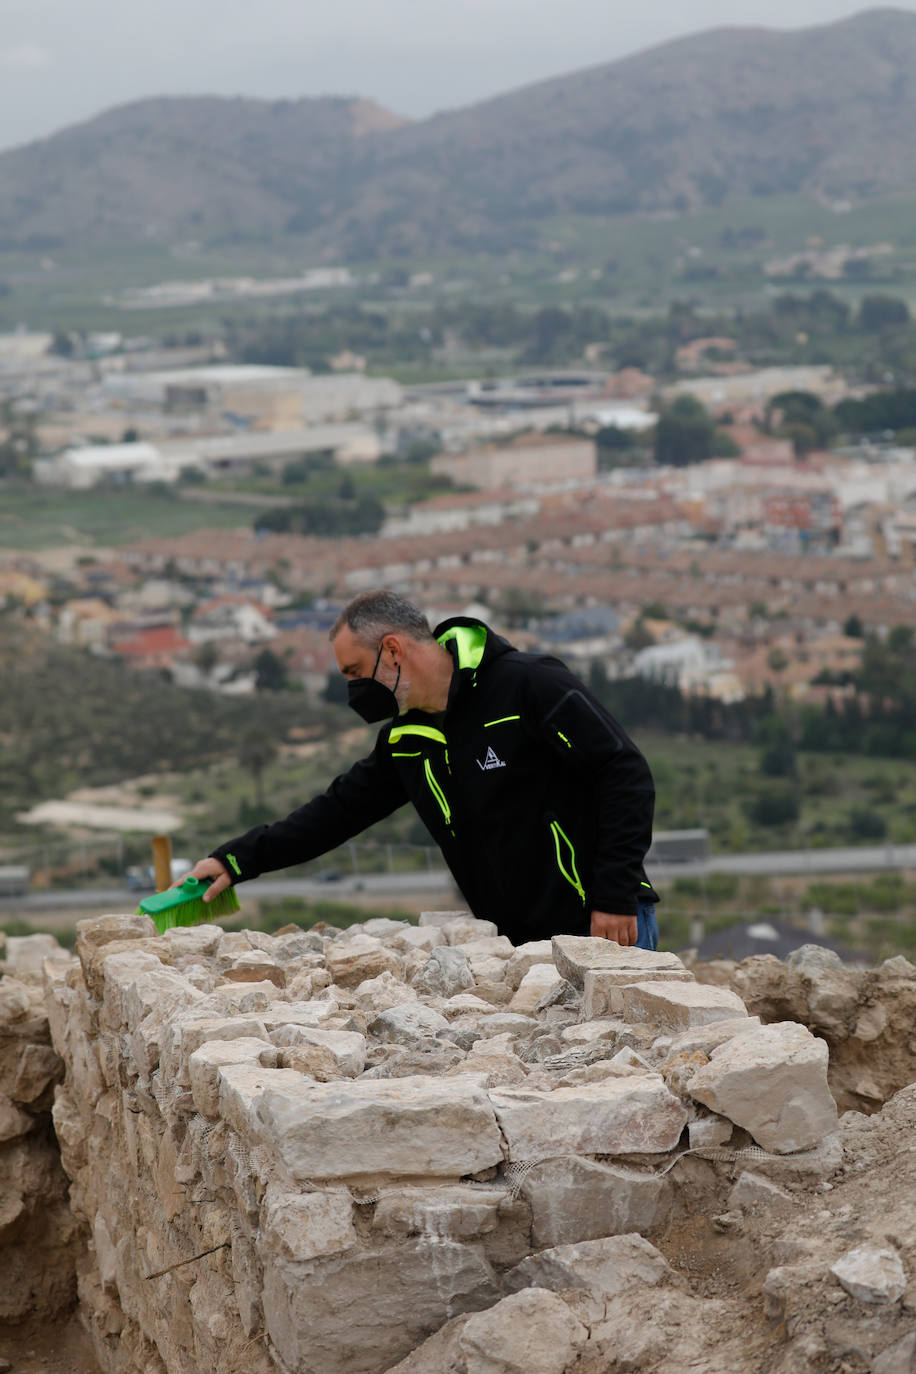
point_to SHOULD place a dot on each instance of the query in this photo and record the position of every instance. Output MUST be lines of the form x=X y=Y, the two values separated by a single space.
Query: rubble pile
x=341 y=1152
x=38 y=1233
x=867 y=1017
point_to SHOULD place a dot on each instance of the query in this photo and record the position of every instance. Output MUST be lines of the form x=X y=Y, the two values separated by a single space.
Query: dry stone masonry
x=337 y=1152
x=37 y=1229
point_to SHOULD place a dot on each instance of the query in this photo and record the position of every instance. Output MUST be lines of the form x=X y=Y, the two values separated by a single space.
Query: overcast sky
x=62 y=61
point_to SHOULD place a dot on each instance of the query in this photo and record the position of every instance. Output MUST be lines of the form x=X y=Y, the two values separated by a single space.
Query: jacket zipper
x=562 y=841
x=438 y=794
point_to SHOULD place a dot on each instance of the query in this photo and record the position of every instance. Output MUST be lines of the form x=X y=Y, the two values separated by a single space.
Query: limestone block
x=361 y=1313
x=14 y=1122
x=574 y=955
x=234 y=943
x=505 y=1023
x=418 y=938
x=753 y=1193
x=241 y=1089
x=811 y=959
x=465 y=928
x=323 y=1054
x=36 y=1068
x=573 y=1199
x=773 y=1082
x=488 y=947
x=709 y=1131
x=205 y=1063
x=25 y=955
x=383 y=927
x=630 y=1115
x=538 y=980
x=102 y=930
x=678 y=1006
x=410 y=1024
x=105 y=1254
x=183 y=1035
x=15 y=1003
x=200 y=941
x=382 y=993
x=493 y=1070
x=439 y=1354
x=525 y=957
x=408 y=1126
x=488 y=970
x=465 y=1005
x=493 y=1044
x=445 y=973
x=119 y=971
x=303 y=986
x=871 y=1274
x=254 y=967
x=607 y=1268
x=458 y=1213
x=151 y=990
x=443 y=918
x=313 y=1013
x=604 y=987
x=306 y=1226
x=497 y=994
x=898 y=1358
x=350 y=962
x=586 y=1032
x=531 y=1332
x=708 y=1037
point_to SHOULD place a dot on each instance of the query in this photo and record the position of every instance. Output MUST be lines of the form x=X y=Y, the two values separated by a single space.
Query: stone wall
x=314 y=1151
x=38 y=1234
x=866 y=1017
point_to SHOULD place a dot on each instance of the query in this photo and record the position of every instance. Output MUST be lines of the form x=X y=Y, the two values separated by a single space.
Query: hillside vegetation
x=69 y=719
x=826 y=112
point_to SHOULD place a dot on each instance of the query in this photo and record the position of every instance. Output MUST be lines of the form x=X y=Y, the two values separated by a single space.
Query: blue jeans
x=646 y=926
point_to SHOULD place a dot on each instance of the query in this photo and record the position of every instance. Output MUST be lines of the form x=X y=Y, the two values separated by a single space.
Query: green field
x=623 y=263
x=40 y=518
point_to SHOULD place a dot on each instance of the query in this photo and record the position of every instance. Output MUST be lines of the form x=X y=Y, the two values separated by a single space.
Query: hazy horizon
x=60 y=64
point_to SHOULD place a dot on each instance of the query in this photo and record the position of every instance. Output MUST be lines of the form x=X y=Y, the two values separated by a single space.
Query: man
x=541 y=805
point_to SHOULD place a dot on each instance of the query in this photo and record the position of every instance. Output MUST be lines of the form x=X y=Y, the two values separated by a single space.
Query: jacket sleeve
x=366 y=793
x=585 y=737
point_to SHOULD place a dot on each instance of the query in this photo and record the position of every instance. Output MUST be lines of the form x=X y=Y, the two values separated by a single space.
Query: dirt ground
x=58 y=1346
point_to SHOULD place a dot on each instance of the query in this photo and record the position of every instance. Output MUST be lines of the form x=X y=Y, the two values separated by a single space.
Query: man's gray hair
x=372 y=615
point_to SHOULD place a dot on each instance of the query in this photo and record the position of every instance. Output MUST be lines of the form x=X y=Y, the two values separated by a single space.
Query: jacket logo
x=491 y=761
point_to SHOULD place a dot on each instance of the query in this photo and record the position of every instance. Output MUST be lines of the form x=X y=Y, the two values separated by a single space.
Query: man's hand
x=209 y=868
x=619 y=928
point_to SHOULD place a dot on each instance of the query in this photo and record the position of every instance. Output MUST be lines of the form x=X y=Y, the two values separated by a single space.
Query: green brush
x=185 y=905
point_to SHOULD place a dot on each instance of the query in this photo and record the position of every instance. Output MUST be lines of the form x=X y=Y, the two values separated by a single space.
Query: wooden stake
x=162 y=861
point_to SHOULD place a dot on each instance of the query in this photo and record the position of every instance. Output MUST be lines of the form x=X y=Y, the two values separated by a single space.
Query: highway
x=60 y=907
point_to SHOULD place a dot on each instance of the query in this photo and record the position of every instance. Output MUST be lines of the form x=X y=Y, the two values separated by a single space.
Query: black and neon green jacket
x=541 y=804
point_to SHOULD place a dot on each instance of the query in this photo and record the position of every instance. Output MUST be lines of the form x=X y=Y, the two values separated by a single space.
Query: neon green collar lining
x=470 y=642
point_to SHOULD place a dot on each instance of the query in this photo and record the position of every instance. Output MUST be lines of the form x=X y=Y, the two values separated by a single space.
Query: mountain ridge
x=824 y=111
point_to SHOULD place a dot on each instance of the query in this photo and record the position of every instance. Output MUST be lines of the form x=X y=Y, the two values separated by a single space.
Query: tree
x=270 y=671
x=882 y=312
x=777 y=757
x=685 y=433
x=18 y=440
x=853 y=627
x=257 y=751
x=802 y=417
x=775 y=807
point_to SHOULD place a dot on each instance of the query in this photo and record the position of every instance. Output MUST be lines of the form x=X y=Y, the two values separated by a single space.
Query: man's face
x=353 y=659
x=356 y=660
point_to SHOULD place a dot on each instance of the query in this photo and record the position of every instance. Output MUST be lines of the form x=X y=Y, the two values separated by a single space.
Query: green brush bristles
x=185 y=905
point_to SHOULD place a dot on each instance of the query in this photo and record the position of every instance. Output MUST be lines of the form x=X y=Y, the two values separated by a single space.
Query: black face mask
x=370 y=698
